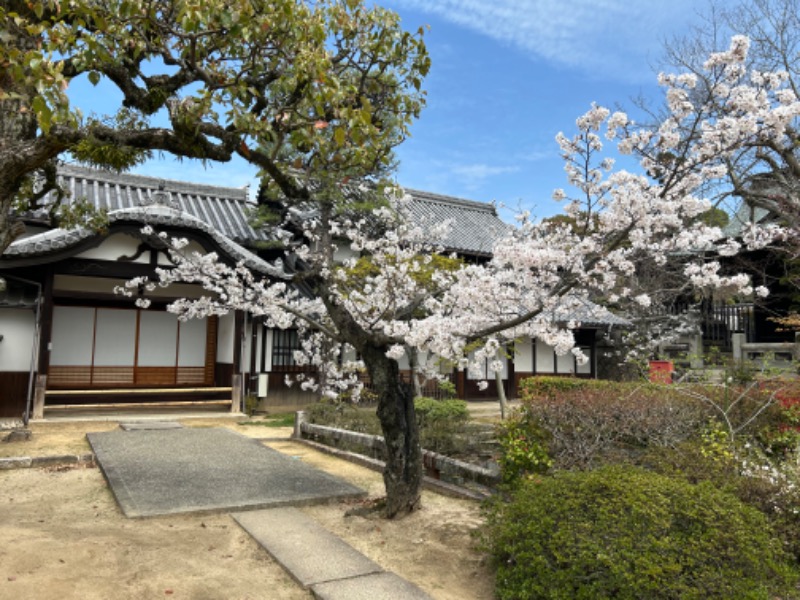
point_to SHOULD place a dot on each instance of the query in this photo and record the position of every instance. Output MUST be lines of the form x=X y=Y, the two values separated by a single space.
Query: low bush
x=343 y=415
x=768 y=486
x=442 y=423
x=588 y=422
x=622 y=532
x=781 y=438
x=430 y=411
x=522 y=451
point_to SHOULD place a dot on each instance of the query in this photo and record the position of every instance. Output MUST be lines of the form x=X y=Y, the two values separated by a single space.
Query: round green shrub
x=430 y=411
x=771 y=488
x=441 y=424
x=522 y=451
x=343 y=416
x=621 y=532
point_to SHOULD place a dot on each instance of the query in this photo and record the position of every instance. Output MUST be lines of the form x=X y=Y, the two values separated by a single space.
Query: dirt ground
x=64 y=537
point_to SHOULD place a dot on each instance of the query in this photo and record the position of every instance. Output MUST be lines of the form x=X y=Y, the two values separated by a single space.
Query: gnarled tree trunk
x=402 y=475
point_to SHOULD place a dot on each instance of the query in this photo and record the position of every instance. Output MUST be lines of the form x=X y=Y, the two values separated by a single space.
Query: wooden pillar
x=46 y=323
x=38 y=397
x=238 y=340
x=512 y=378
x=255 y=325
x=238 y=382
x=461 y=384
x=237 y=394
x=44 y=345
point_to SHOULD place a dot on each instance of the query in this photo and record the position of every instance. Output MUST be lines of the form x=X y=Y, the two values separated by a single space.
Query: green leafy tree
x=314 y=94
x=325 y=89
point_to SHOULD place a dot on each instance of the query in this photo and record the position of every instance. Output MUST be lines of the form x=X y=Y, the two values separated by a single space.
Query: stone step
x=321 y=561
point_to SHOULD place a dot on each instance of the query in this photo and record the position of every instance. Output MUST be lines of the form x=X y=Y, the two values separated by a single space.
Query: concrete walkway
x=159 y=468
x=322 y=562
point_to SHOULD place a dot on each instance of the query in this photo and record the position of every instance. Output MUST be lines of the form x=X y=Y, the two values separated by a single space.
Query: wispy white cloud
x=479 y=171
x=475 y=177
x=456 y=175
x=538 y=154
x=607 y=38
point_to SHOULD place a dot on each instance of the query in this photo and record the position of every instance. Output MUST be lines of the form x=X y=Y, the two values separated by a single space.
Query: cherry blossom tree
x=764 y=175
x=765 y=171
x=539 y=273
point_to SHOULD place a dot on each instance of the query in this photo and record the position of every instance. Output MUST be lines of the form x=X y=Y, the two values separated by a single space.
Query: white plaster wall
x=72 y=336
x=17 y=329
x=116 y=245
x=115 y=338
x=259 y=341
x=586 y=368
x=268 y=359
x=225 y=338
x=192 y=343
x=545 y=362
x=192 y=246
x=523 y=355
x=343 y=252
x=404 y=363
x=430 y=360
x=248 y=332
x=158 y=339
x=566 y=363
x=482 y=371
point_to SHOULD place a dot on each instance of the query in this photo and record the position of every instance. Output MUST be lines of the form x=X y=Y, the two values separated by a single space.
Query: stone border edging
x=28 y=462
x=438 y=463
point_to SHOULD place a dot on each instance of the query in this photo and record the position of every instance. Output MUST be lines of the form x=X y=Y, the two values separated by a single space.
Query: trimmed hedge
x=621 y=532
x=586 y=423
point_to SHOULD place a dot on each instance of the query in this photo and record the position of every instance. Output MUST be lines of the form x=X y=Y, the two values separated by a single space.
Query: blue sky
x=506 y=77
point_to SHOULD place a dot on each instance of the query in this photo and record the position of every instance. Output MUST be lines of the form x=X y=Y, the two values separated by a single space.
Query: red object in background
x=661 y=371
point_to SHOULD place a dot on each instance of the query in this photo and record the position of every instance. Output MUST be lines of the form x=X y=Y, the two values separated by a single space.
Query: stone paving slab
x=322 y=562
x=378 y=586
x=144 y=425
x=169 y=471
x=310 y=553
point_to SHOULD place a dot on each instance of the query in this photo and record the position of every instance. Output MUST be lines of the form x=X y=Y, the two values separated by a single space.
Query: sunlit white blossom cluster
x=539 y=273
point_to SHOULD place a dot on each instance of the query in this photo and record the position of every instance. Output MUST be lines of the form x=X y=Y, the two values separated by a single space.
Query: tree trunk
x=402 y=475
x=17 y=124
x=415 y=377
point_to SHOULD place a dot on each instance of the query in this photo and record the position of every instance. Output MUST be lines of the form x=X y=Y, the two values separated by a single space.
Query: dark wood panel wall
x=13 y=393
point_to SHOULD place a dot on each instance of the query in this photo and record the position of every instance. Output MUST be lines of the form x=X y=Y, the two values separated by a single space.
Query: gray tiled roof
x=744 y=216
x=475 y=226
x=56 y=240
x=222 y=213
x=223 y=208
x=587 y=313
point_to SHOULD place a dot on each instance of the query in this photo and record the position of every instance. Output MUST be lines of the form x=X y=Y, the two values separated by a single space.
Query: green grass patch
x=278 y=420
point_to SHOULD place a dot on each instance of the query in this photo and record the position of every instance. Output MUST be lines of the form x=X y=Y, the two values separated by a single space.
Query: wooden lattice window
x=284 y=344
